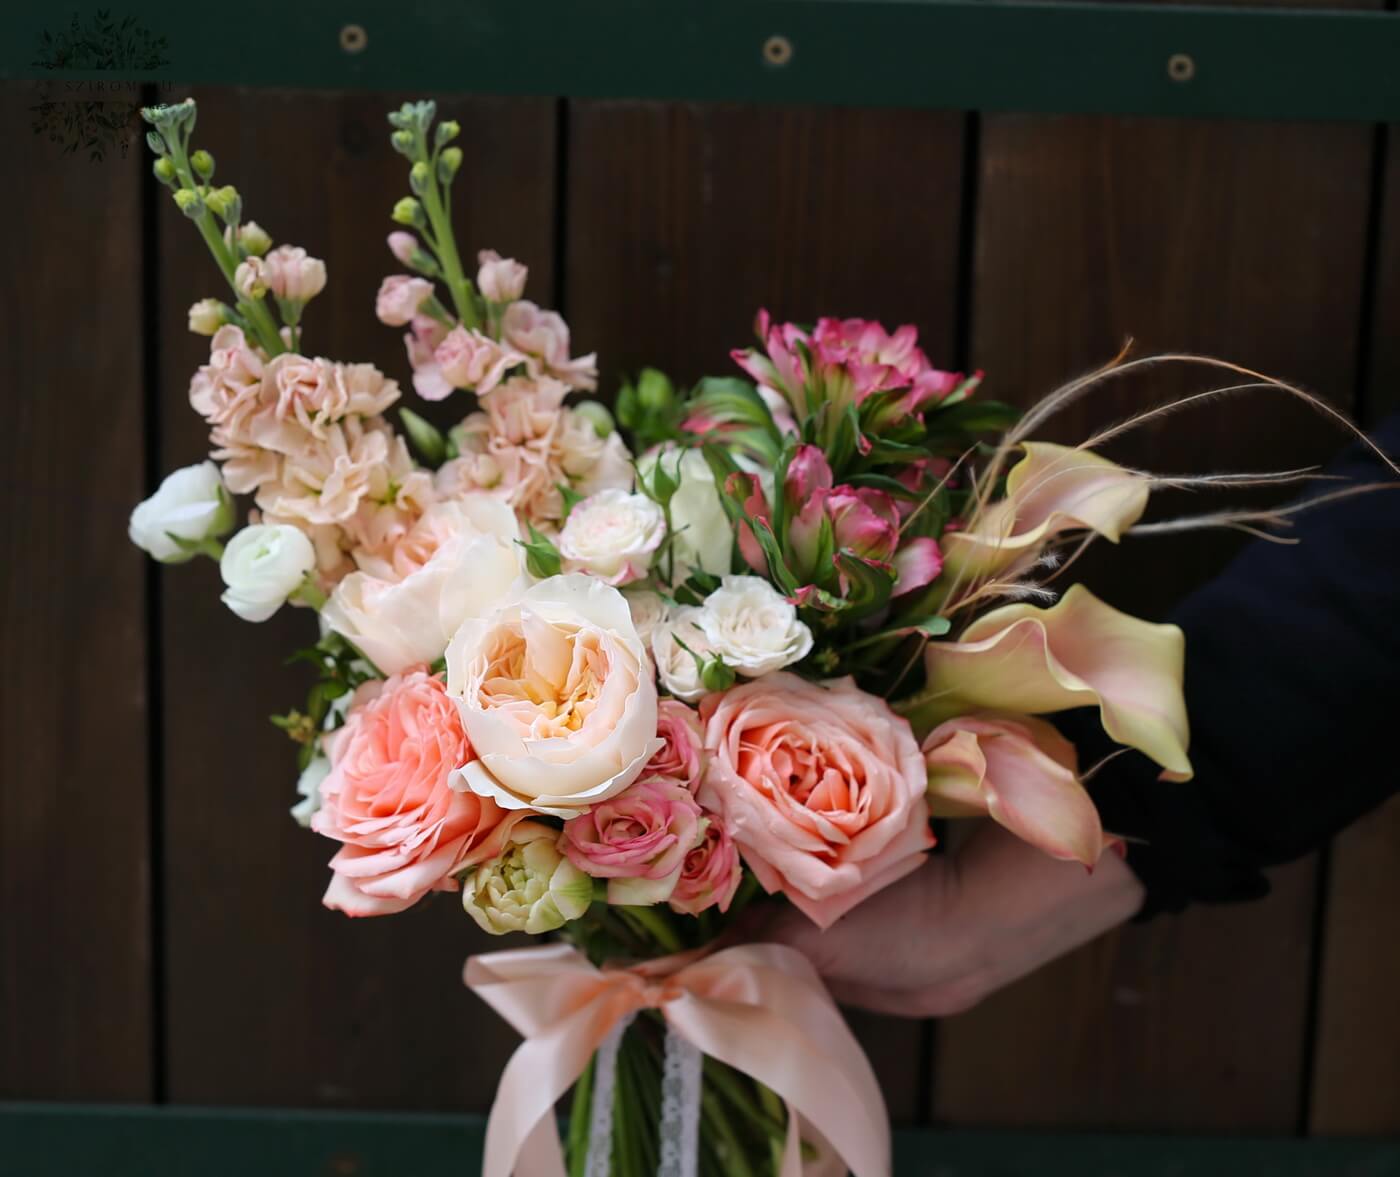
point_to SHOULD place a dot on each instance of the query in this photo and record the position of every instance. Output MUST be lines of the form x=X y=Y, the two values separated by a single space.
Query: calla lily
x=1051 y=490
x=1020 y=772
x=1078 y=653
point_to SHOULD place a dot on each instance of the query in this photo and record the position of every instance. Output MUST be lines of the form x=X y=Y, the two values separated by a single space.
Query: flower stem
x=580 y=1114
x=436 y=205
x=654 y=924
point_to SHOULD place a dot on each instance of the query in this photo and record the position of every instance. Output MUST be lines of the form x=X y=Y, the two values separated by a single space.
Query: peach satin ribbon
x=760 y=1008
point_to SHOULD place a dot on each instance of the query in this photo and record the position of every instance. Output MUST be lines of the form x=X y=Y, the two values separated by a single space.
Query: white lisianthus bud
x=753 y=627
x=676 y=667
x=263 y=565
x=191 y=506
x=704 y=536
x=207 y=316
x=612 y=535
x=254 y=239
x=248 y=278
x=530 y=887
x=500 y=279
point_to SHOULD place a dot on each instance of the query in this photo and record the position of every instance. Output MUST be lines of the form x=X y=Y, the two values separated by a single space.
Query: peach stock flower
x=399 y=297
x=543 y=337
x=1019 y=771
x=386 y=798
x=821 y=786
x=556 y=696
x=469 y=359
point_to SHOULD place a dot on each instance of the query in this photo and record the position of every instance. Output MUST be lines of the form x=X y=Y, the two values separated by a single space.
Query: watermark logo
x=101 y=115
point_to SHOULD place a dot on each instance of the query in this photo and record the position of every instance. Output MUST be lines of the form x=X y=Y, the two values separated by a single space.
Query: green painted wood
x=45 y=1140
x=951 y=54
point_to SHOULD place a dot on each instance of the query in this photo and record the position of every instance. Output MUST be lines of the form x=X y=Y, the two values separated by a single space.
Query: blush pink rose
x=638 y=841
x=386 y=798
x=820 y=784
x=681 y=758
x=711 y=873
x=399 y=297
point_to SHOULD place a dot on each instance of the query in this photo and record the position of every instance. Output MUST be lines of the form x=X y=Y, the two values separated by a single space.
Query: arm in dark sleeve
x=1293 y=695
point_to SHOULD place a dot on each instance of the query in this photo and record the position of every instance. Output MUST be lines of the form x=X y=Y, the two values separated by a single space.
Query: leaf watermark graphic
x=95 y=116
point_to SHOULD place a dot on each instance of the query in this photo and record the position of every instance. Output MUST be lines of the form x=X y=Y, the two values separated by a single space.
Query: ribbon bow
x=760 y=1008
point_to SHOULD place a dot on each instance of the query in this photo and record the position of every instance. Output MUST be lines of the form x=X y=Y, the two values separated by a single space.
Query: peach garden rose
x=821 y=786
x=404 y=831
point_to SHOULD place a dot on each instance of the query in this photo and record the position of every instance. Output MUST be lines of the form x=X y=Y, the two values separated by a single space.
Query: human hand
x=962 y=926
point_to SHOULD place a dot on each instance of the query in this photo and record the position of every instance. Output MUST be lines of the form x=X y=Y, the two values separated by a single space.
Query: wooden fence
x=162 y=938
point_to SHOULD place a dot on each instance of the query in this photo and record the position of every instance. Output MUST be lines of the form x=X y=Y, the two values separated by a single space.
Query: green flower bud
x=448 y=163
x=596 y=414
x=418 y=177
x=409 y=212
x=203 y=164
x=155 y=142
x=217 y=202
x=655 y=393
x=447 y=131
x=716 y=676
x=253 y=239
x=187 y=200
x=164 y=170
x=402 y=142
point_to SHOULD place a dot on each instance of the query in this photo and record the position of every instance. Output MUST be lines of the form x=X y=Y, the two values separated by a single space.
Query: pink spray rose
x=469 y=359
x=404 y=831
x=637 y=840
x=681 y=758
x=821 y=786
x=400 y=296
x=711 y=873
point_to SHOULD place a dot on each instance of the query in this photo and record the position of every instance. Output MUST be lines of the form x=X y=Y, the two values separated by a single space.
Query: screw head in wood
x=353 y=38
x=1181 y=67
x=777 y=50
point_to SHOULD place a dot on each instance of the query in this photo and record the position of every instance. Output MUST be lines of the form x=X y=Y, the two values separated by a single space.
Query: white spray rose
x=309 y=790
x=530 y=888
x=753 y=627
x=648 y=611
x=704 y=537
x=191 y=504
x=263 y=565
x=612 y=535
x=675 y=665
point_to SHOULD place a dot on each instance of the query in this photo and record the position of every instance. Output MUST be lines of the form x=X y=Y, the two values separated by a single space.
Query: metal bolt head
x=1181 y=67
x=354 y=39
x=777 y=50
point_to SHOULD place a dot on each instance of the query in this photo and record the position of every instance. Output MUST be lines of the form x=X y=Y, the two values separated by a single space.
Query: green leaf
x=542 y=558
x=973 y=417
x=427 y=438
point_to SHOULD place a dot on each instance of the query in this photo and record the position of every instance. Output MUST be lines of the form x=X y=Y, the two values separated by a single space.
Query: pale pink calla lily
x=1078 y=653
x=1051 y=490
x=1020 y=772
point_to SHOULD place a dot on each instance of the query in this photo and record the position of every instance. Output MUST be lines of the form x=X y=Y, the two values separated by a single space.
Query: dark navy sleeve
x=1293 y=694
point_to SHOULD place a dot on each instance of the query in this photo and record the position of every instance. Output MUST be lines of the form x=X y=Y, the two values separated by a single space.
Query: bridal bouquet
x=610 y=674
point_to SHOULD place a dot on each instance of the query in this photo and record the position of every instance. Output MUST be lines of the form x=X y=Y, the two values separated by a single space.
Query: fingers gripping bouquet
x=613 y=685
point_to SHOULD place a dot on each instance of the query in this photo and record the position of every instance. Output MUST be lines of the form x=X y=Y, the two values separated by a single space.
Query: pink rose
x=681 y=757
x=469 y=359
x=821 y=786
x=289 y=273
x=1019 y=771
x=638 y=841
x=404 y=831
x=500 y=279
x=544 y=337
x=399 y=297
x=711 y=873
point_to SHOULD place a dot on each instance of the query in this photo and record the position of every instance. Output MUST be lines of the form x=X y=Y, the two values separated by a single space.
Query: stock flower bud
x=164 y=170
x=291 y=274
x=207 y=316
x=418 y=177
x=248 y=278
x=253 y=239
x=448 y=164
x=447 y=130
x=203 y=164
x=409 y=212
x=155 y=142
x=188 y=201
x=500 y=279
x=402 y=142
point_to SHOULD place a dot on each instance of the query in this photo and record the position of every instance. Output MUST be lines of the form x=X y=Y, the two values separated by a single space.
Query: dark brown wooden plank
x=1356 y=1074
x=1244 y=241
x=684 y=220
x=75 y=964
x=272 y=999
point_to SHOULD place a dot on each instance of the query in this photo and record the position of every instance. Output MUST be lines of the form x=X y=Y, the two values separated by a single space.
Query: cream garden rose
x=531 y=887
x=262 y=566
x=753 y=627
x=190 y=505
x=458 y=559
x=555 y=695
x=612 y=535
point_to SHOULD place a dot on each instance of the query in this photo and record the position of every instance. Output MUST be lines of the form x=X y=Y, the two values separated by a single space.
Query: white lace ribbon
x=681 y=1077
x=600 y=1113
